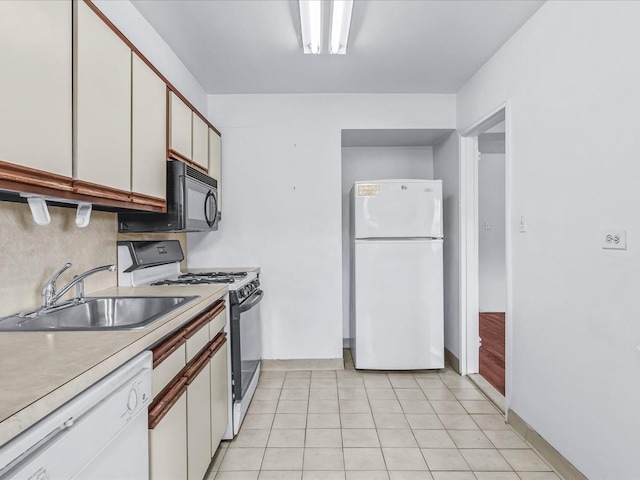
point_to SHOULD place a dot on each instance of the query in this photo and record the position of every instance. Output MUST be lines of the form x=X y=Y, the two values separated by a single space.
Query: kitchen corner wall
x=571 y=76
x=282 y=202
x=31 y=253
x=446 y=166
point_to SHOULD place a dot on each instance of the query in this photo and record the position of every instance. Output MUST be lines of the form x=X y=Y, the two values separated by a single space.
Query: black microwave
x=192 y=204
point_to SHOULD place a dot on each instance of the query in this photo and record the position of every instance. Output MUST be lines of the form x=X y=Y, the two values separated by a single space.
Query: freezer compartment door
x=399 y=318
x=397 y=209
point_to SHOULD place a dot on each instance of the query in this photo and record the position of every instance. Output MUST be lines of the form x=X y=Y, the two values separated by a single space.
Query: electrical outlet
x=614 y=239
x=523 y=224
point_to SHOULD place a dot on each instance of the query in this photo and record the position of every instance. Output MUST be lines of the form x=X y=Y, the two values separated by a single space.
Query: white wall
x=140 y=32
x=282 y=189
x=491 y=243
x=446 y=166
x=374 y=163
x=572 y=74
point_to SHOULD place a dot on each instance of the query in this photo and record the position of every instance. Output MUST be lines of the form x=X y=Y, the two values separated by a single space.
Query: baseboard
x=563 y=466
x=451 y=360
x=304 y=364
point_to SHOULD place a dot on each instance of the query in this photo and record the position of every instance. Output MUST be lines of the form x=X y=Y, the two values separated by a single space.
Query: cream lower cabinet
x=168 y=443
x=199 y=422
x=148 y=131
x=35 y=85
x=102 y=103
x=219 y=396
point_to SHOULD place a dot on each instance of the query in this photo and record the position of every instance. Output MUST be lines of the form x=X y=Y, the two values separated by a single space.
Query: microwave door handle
x=206 y=212
x=215 y=207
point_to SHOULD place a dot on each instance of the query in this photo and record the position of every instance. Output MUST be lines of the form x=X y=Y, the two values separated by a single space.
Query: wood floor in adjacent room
x=492 y=332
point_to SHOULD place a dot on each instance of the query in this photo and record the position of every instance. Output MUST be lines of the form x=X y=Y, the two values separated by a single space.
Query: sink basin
x=100 y=313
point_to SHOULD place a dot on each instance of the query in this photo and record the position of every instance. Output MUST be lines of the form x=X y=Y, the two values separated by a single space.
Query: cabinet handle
x=163 y=350
x=217 y=344
x=203 y=319
x=197 y=365
x=163 y=403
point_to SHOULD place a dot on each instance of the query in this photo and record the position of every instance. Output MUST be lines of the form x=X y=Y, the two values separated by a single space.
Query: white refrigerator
x=397 y=312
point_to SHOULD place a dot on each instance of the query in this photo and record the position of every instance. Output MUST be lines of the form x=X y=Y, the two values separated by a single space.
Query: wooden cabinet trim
x=203 y=319
x=115 y=29
x=165 y=400
x=102 y=191
x=164 y=349
x=197 y=365
x=12 y=172
x=217 y=343
x=149 y=200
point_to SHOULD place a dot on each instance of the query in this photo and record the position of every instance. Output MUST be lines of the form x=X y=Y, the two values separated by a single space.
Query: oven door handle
x=256 y=298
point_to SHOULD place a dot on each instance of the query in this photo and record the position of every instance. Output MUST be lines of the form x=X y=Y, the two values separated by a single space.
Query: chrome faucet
x=49 y=290
x=49 y=294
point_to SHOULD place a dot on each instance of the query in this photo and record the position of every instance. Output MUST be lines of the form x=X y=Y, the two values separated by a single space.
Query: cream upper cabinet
x=200 y=142
x=102 y=103
x=215 y=162
x=148 y=131
x=180 y=126
x=35 y=85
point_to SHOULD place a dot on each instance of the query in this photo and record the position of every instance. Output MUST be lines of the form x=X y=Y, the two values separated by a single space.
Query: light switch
x=523 y=224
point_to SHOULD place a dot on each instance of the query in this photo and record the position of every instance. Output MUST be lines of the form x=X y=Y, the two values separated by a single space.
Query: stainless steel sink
x=101 y=313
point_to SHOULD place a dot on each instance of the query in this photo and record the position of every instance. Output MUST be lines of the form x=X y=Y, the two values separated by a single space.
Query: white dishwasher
x=100 y=434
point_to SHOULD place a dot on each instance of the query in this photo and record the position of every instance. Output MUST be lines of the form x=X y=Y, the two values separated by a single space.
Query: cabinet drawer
x=164 y=372
x=196 y=342
x=217 y=324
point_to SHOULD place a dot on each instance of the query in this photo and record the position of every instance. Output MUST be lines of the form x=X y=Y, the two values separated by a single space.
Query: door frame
x=469 y=234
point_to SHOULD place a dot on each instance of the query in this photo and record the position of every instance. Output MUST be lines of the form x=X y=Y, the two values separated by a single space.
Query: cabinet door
x=168 y=444
x=148 y=131
x=219 y=397
x=179 y=126
x=200 y=142
x=103 y=103
x=35 y=85
x=215 y=162
x=199 y=425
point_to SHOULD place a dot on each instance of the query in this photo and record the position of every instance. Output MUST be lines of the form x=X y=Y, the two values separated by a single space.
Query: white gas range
x=157 y=263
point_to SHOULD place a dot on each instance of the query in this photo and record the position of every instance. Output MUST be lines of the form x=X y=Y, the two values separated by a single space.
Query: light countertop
x=40 y=371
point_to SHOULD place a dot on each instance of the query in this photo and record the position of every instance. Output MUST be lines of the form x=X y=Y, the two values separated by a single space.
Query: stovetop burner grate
x=194 y=281
x=214 y=275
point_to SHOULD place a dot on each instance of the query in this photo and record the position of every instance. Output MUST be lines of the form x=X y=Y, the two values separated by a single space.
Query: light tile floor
x=362 y=425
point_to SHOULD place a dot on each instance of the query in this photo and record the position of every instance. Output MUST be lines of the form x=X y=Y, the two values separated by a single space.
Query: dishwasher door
x=99 y=434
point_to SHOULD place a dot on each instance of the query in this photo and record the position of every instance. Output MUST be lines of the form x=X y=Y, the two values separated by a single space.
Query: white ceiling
x=395 y=46
x=393 y=137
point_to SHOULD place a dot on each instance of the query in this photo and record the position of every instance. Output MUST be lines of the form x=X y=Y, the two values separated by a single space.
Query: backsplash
x=31 y=253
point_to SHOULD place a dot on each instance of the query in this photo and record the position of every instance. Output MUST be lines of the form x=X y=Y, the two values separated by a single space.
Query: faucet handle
x=55 y=276
x=49 y=289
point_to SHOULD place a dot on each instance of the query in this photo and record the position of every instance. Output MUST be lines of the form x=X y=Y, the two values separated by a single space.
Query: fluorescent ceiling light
x=311 y=24
x=340 y=23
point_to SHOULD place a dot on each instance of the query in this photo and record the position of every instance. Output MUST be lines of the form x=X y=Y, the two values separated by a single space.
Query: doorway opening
x=485 y=270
